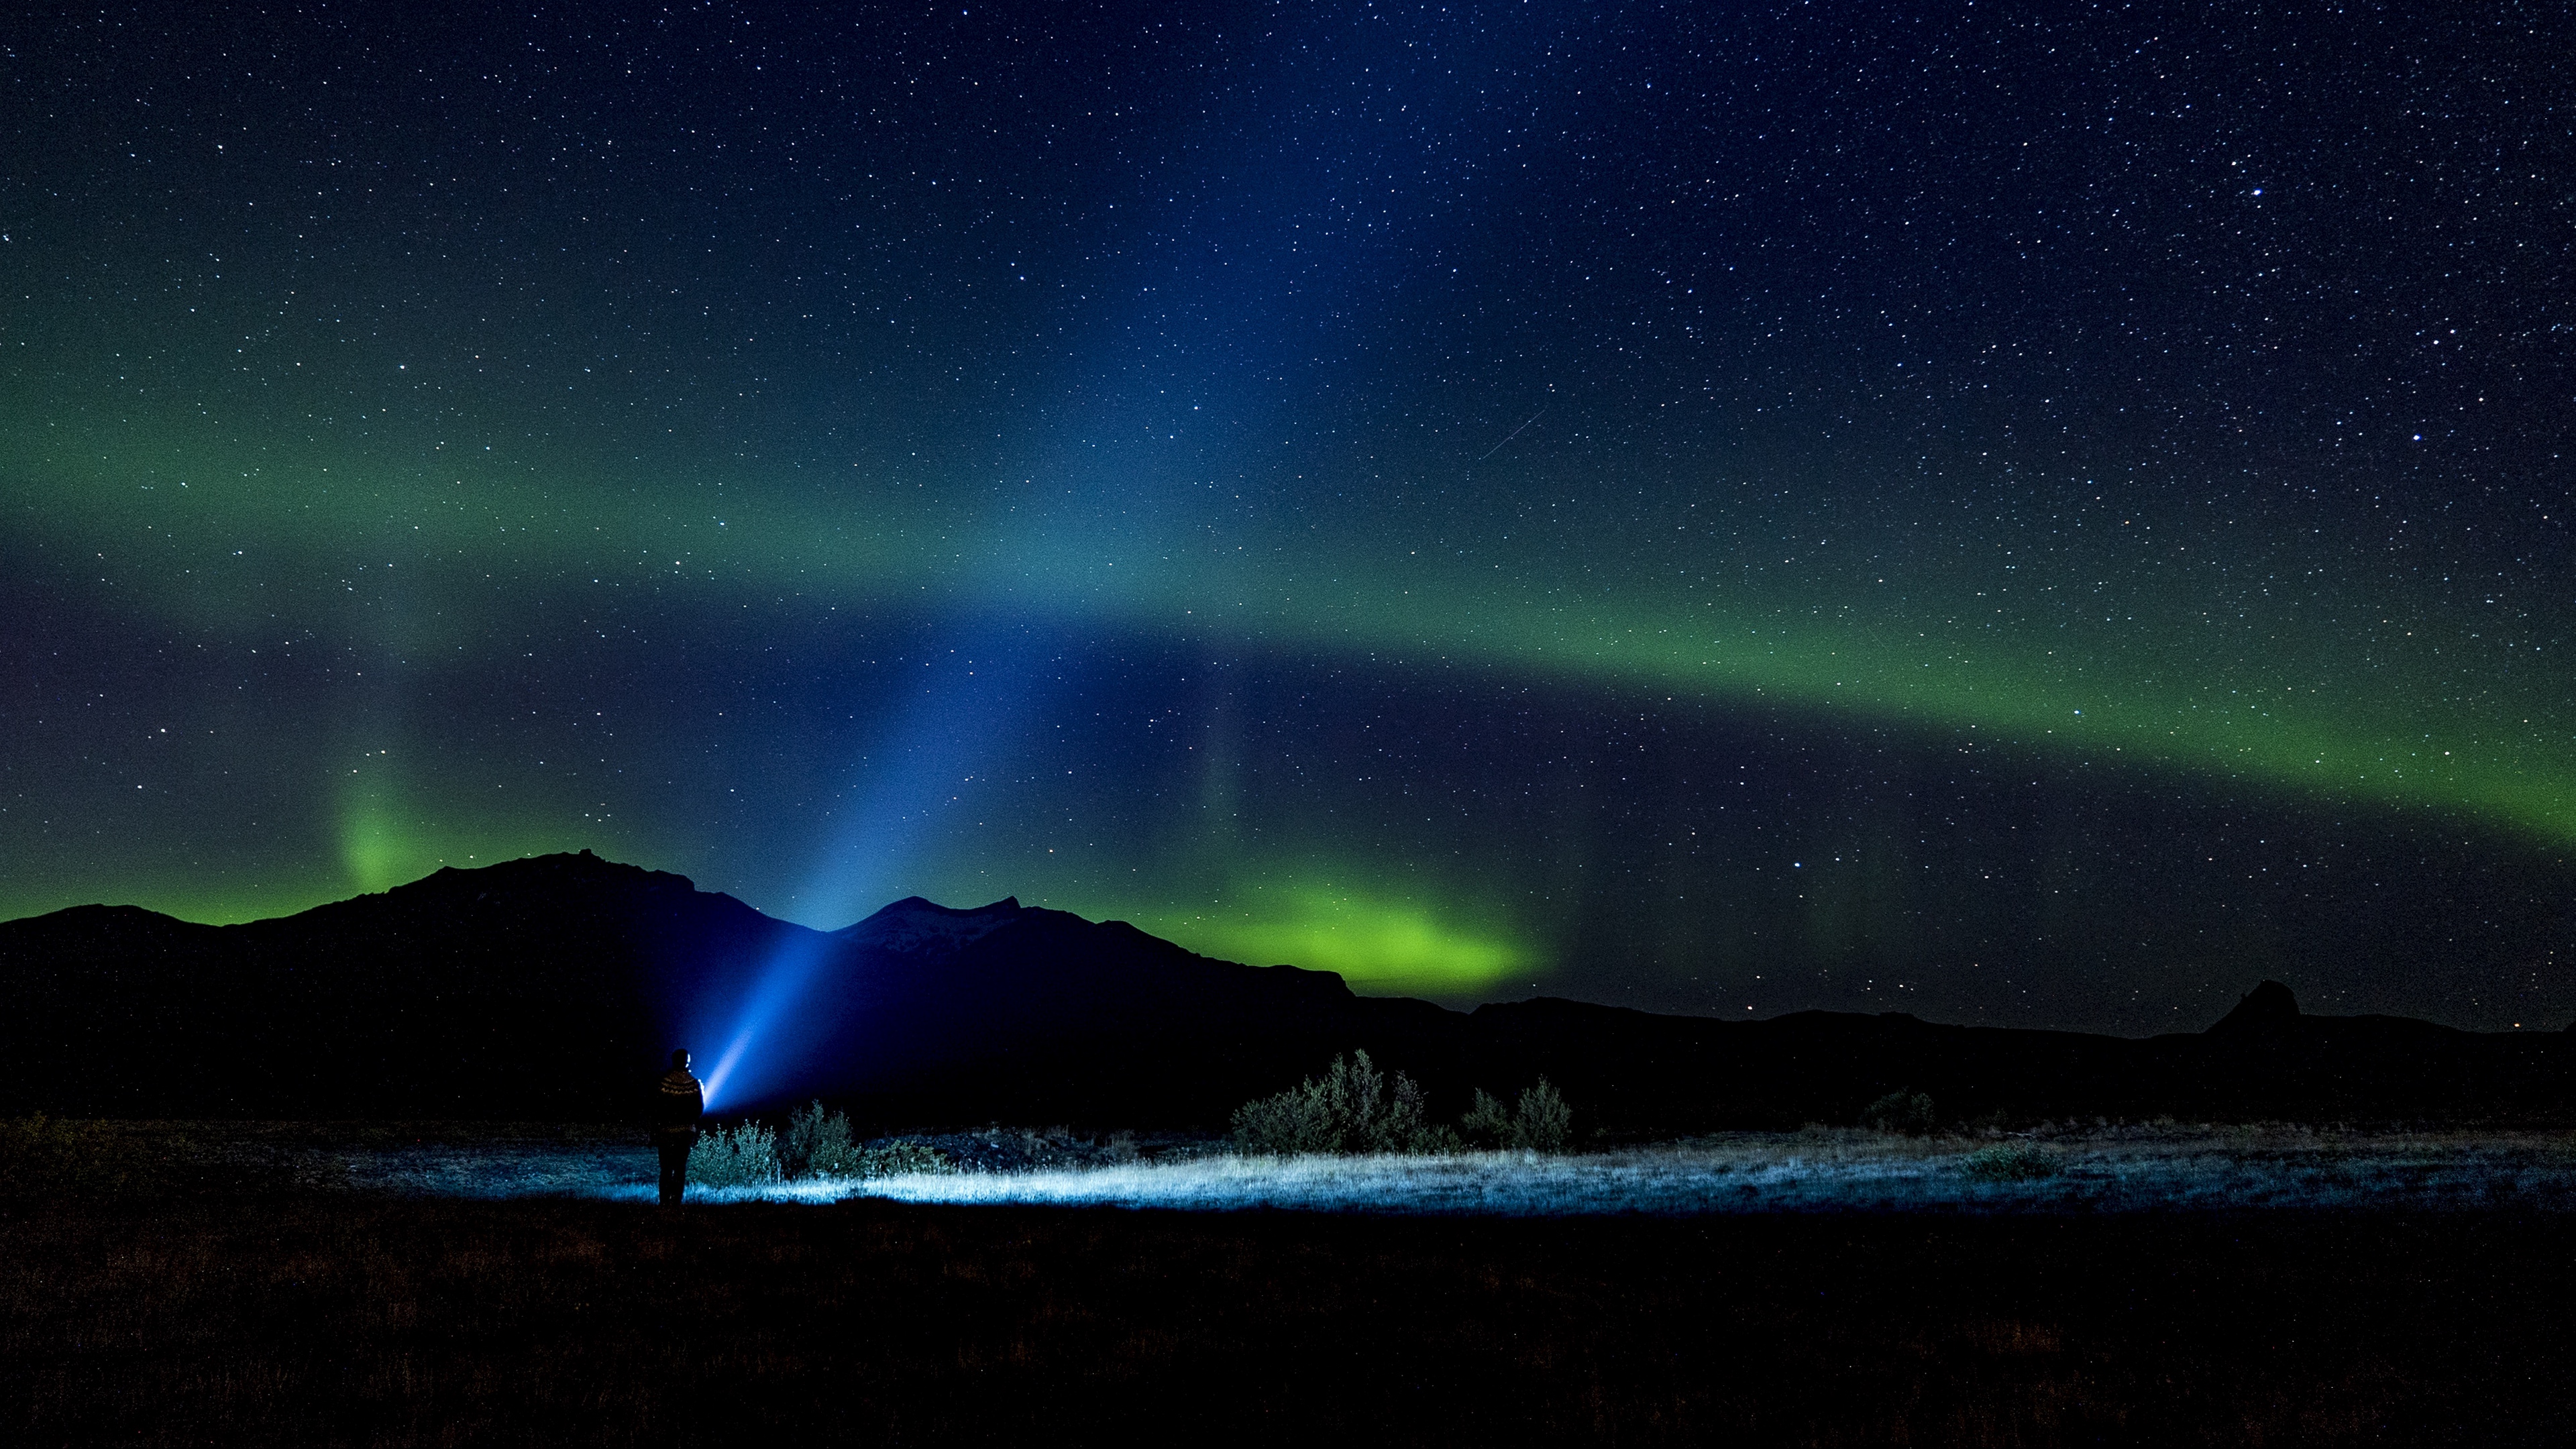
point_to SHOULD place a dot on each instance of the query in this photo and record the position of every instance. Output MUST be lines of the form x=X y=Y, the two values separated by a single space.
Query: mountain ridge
x=551 y=985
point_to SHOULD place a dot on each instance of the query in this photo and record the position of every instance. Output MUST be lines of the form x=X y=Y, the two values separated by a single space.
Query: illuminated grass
x=2117 y=1170
x=1833 y=1174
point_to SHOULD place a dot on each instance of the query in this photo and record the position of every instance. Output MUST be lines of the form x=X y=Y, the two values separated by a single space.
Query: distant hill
x=550 y=987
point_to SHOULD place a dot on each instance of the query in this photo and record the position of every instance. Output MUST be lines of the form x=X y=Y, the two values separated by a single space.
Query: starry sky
x=2039 y=515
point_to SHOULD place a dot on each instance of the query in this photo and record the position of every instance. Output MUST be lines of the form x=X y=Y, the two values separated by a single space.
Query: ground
x=2092 y=1168
x=283 y=1304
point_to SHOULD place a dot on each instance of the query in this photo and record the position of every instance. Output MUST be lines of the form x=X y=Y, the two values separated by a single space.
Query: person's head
x=679 y=1059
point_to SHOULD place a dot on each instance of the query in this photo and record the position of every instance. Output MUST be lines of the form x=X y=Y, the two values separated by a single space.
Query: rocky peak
x=913 y=926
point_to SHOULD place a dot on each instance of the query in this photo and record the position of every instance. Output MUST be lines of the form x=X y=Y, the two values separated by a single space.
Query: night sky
x=2033 y=515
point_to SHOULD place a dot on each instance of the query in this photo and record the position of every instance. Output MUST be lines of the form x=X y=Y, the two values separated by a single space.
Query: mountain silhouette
x=2268 y=1008
x=551 y=987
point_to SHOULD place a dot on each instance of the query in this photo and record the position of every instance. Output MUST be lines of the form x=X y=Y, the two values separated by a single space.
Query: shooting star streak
x=1514 y=433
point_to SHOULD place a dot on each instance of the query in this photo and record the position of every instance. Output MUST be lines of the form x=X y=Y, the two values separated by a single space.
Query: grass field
x=2092 y=1169
x=293 y=1297
x=324 y=1320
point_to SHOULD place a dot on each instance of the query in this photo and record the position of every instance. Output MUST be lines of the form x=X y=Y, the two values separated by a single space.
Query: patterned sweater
x=678 y=1105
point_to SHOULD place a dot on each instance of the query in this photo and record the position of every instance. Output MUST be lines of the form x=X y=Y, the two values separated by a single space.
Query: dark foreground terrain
x=332 y=1318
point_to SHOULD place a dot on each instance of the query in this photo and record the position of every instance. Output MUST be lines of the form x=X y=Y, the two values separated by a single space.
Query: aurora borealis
x=2039 y=515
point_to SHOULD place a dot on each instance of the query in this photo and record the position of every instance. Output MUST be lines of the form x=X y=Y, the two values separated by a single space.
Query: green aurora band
x=1473 y=499
x=2321 y=708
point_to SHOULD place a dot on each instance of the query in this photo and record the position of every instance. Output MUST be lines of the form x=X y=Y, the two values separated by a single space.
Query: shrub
x=2011 y=1162
x=1437 y=1138
x=1544 y=1121
x=1541 y=1122
x=1294 y=1121
x=1899 y=1111
x=899 y=1157
x=745 y=1156
x=818 y=1145
x=1351 y=1108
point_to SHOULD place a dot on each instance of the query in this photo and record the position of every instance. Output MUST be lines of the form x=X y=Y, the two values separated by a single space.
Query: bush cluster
x=817 y=1145
x=1355 y=1108
x=2011 y=1162
x=1900 y=1111
x=899 y=1158
x=1540 y=1122
x=1352 y=1107
x=744 y=1155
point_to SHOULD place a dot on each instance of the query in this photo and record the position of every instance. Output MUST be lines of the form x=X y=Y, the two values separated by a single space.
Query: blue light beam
x=921 y=770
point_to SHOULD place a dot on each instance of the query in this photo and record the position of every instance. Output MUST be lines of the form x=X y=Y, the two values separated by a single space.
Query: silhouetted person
x=676 y=1110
